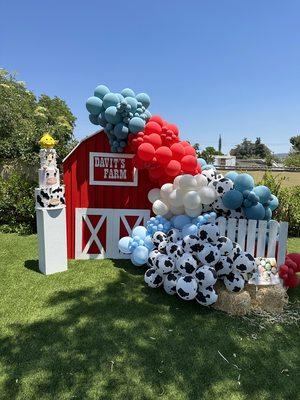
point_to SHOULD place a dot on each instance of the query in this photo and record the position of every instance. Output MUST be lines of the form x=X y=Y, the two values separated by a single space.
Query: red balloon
x=155 y=173
x=189 y=151
x=189 y=163
x=173 y=128
x=146 y=151
x=155 y=140
x=185 y=144
x=177 y=151
x=163 y=154
x=173 y=168
x=152 y=127
x=158 y=119
x=164 y=179
x=137 y=162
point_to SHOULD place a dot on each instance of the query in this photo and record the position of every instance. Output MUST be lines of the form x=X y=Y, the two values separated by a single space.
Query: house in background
x=224 y=161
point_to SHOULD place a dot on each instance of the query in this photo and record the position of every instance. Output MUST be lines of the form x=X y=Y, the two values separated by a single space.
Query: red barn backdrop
x=105 y=198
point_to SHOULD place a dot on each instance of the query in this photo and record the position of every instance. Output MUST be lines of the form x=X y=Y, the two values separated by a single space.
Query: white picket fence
x=256 y=237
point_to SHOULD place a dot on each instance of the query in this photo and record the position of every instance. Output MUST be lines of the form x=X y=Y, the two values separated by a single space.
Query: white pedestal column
x=52 y=237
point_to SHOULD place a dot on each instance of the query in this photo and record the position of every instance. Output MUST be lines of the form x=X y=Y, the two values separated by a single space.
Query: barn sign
x=112 y=169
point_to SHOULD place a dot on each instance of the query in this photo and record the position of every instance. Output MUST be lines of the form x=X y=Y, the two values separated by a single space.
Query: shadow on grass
x=33 y=265
x=131 y=342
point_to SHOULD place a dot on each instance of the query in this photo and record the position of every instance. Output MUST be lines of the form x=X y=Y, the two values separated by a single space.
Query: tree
x=24 y=118
x=295 y=142
x=248 y=149
x=208 y=153
x=293 y=159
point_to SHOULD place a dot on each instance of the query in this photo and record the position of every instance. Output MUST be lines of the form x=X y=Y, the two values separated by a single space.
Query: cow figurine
x=49 y=197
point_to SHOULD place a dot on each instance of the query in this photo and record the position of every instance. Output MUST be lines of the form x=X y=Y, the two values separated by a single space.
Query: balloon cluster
x=289 y=272
x=119 y=114
x=159 y=150
x=191 y=265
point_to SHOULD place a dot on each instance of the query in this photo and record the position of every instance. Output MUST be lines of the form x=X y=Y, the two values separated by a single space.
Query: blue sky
x=229 y=67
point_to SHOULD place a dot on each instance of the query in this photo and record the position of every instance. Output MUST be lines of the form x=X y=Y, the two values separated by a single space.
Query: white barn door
x=98 y=231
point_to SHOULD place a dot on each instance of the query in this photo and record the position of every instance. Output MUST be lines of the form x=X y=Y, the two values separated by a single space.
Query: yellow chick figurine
x=47 y=141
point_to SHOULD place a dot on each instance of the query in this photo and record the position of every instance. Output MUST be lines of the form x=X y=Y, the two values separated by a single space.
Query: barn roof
x=79 y=143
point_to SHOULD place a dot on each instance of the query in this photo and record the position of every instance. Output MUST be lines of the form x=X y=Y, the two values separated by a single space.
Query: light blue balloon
x=253 y=197
x=189 y=229
x=208 y=166
x=134 y=262
x=148 y=242
x=124 y=244
x=110 y=99
x=102 y=119
x=243 y=182
x=268 y=213
x=132 y=102
x=231 y=175
x=255 y=212
x=232 y=199
x=136 y=124
x=263 y=193
x=201 y=162
x=147 y=114
x=140 y=255
x=94 y=119
x=112 y=115
x=94 y=105
x=101 y=91
x=128 y=93
x=139 y=231
x=121 y=98
x=179 y=221
x=144 y=99
x=273 y=203
x=247 y=203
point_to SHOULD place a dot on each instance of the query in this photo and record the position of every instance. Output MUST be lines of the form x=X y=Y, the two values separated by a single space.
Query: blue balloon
x=134 y=262
x=255 y=212
x=231 y=175
x=140 y=255
x=144 y=99
x=136 y=124
x=124 y=244
x=232 y=199
x=243 y=182
x=139 y=231
x=247 y=203
x=201 y=161
x=94 y=105
x=268 y=213
x=253 y=197
x=132 y=102
x=273 y=203
x=263 y=192
x=189 y=229
x=112 y=115
x=208 y=166
x=101 y=91
x=128 y=93
x=110 y=99
x=179 y=221
x=94 y=119
x=148 y=242
x=147 y=114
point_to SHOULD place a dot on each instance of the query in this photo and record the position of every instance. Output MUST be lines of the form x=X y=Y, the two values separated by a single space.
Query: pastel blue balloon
x=201 y=161
x=121 y=98
x=253 y=197
x=144 y=99
x=263 y=192
x=273 y=203
x=147 y=114
x=268 y=213
x=112 y=115
x=124 y=244
x=140 y=255
x=94 y=105
x=94 y=119
x=247 y=203
x=148 y=242
x=232 y=199
x=231 y=175
x=255 y=212
x=134 y=262
x=136 y=124
x=101 y=91
x=243 y=182
x=110 y=99
x=189 y=229
x=102 y=119
x=139 y=231
x=208 y=166
x=132 y=102
x=179 y=221
x=128 y=93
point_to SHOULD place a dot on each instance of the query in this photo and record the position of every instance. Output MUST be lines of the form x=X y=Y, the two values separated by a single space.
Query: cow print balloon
x=186 y=264
x=225 y=245
x=191 y=244
x=244 y=262
x=237 y=214
x=158 y=237
x=223 y=185
x=208 y=254
x=237 y=250
x=152 y=278
x=206 y=297
x=162 y=247
x=152 y=257
x=207 y=207
x=210 y=174
x=209 y=233
x=186 y=287
x=223 y=266
x=170 y=283
x=174 y=250
x=234 y=282
x=206 y=276
x=164 y=264
x=174 y=235
x=219 y=206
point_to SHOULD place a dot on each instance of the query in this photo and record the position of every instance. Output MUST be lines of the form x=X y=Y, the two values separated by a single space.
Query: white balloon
x=176 y=182
x=207 y=194
x=195 y=212
x=153 y=195
x=177 y=210
x=165 y=190
x=191 y=200
x=176 y=198
x=201 y=180
x=187 y=182
x=160 y=208
x=169 y=215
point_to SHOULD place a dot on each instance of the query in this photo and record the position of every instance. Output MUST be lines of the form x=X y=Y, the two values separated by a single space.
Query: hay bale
x=232 y=303
x=272 y=299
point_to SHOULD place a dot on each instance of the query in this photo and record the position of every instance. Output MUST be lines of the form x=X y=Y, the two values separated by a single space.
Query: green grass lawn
x=97 y=332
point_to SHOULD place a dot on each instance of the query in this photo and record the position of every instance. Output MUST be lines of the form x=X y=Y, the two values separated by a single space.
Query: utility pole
x=220 y=144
